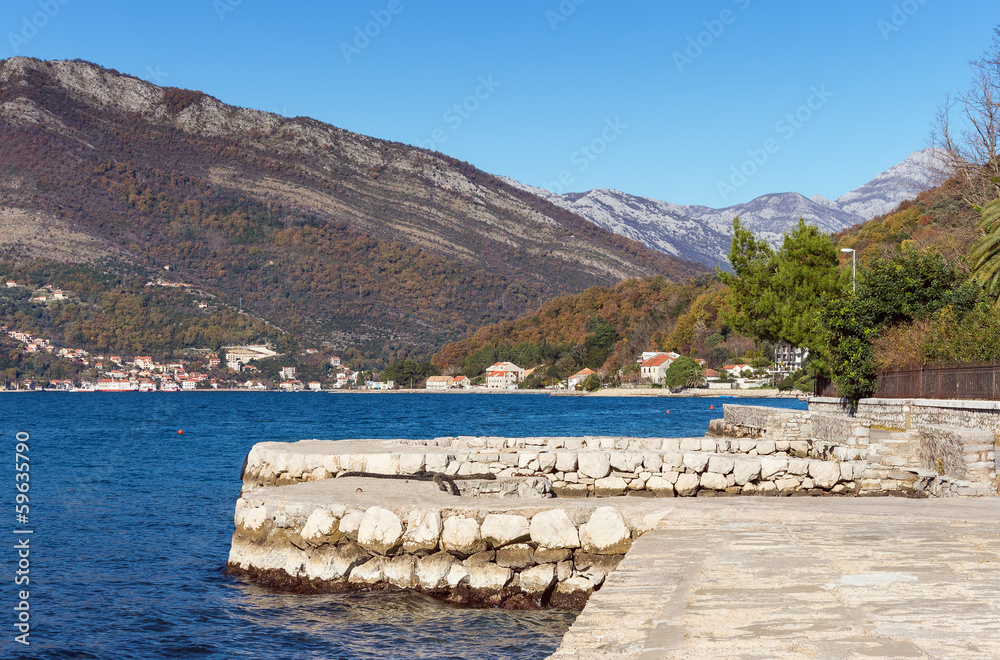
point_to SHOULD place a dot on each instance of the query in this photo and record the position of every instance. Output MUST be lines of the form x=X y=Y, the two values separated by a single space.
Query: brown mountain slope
x=340 y=238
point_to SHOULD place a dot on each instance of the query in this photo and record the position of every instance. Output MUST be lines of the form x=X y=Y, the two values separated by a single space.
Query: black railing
x=959 y=381
x=825 y=387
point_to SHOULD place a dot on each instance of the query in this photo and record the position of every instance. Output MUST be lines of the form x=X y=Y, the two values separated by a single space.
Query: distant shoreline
x=616 y=393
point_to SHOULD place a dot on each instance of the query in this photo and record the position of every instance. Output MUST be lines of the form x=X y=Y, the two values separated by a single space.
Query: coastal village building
x=113 y=385
x=578 y=378
x=287 y=373
x=439 y=383
x=503 y=376
x=448 y=383
x=315 y=386
x=655 y=367
x=335 y=361
x=736 y=370
x=144 y=362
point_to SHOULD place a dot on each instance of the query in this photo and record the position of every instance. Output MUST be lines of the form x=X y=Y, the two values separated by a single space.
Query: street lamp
x=854 y=267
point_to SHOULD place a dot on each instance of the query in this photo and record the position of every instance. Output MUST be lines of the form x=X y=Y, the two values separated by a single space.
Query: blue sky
x=661 y=99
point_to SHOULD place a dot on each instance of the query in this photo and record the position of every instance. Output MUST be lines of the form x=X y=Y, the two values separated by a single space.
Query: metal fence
x=959 y=381
x=825 y=387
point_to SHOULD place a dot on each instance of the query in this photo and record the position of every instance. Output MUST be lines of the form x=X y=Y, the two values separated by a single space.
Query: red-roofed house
x=503 y=375
x=578 y=378
x=655 y=367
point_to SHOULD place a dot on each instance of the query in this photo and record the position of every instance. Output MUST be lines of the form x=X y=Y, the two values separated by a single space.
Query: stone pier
x=638 y=527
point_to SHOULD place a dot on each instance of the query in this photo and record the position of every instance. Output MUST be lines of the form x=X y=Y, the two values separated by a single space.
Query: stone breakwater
x=541 y=522
x=572 y=467
x=365 y=534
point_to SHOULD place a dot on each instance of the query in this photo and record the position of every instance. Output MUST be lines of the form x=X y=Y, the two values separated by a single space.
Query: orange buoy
x=180 y=433
x=668 y=412
x=713 y=407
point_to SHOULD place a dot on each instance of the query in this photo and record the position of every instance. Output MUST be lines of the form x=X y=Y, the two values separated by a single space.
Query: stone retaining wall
x=959 y=452
x=983 y=415
x=549 y=557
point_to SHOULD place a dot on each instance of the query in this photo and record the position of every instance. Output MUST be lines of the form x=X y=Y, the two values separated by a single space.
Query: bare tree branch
x=967 y=130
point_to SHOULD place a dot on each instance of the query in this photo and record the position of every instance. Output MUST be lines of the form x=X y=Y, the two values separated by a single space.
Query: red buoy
x=713 y=407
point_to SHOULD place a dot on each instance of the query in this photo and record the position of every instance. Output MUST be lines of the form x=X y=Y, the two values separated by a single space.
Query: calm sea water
x=132 y=522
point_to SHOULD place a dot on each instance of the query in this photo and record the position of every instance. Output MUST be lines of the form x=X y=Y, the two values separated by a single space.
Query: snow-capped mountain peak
x=704 y=234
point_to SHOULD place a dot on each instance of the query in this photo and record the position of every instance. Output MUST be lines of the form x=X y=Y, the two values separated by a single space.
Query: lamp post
x=854 y=267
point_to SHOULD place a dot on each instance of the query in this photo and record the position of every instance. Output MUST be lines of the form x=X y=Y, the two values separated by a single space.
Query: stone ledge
x=992 y=406
x=358 y=534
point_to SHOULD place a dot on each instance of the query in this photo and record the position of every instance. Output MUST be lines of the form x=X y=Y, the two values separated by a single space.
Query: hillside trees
x=985 y=255
x=911 y=286
x=684 y=372
x=780 y=296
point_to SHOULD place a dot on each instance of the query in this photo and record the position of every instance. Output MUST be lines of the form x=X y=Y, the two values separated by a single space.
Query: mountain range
x=342 y=239
x=704 y=234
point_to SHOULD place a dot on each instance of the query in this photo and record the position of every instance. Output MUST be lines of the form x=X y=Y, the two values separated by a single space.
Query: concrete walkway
x=803 y=578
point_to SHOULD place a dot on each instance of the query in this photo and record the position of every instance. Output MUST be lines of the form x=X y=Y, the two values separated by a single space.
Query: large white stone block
x=499 y=530
x=553 y=530
x=696 y=462
x=595 y=465
x=606 y=533
x=772 y=466
x=462 y=536
x=687 y=485
x=319 y=524
x=746 y=470
x=721 y=464
x=380 y=531
x=714 y=481
x=423 y=530
x=566 y=461
x=536 y=581
x=826 y=474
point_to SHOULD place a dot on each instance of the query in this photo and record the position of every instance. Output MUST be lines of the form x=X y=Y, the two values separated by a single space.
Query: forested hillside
x=108 y=309
x=343 y=240
x=605 y=329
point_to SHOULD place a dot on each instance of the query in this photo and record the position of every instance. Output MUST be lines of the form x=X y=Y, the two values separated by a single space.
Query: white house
x=438 y=382
x=503 y=375
x=461 y=382
x=656 y=366
x=578 y=378
x=287 y=373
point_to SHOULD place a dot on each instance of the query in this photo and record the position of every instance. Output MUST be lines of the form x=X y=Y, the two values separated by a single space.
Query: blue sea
x=132 y=520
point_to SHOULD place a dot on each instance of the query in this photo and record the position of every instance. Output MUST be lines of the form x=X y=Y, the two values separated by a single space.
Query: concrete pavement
x=803 y=578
